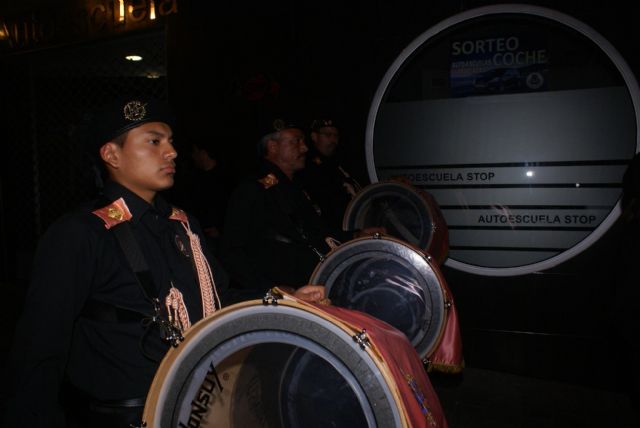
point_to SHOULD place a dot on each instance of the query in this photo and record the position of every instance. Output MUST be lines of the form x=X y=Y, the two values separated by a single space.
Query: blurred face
x=197 y=155
x=288 y=151
x=326 y=140
x=201 y=159
x=145 y=163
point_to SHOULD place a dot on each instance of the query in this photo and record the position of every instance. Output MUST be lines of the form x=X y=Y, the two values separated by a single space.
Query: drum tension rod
x=271 y=297
x=361 y=339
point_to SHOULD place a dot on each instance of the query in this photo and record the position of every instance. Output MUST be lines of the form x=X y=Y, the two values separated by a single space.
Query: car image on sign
x=498 y=80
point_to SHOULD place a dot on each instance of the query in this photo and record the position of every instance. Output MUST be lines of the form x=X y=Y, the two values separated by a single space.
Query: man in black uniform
x=114 y=284
x=273 y=234
x=327 y=182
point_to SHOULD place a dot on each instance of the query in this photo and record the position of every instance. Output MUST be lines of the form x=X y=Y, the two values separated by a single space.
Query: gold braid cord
x=210 y=298
x=177 y=310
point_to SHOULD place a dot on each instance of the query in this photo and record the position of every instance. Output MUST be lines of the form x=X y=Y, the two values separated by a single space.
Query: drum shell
x=435 y=242
x=214 y=330
x=434 y=301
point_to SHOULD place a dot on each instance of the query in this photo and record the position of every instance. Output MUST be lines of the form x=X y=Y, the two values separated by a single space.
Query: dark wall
x=243 y=63
x=331 y=56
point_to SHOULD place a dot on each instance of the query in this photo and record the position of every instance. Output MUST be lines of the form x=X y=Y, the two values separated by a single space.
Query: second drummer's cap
x=322 y=123
x=272 y=127
x=281 y=124
x=121 y=116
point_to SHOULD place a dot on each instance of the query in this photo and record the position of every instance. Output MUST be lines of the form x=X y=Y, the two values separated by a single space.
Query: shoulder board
x=178 y=214
x=317 y=160
x=268 y=181
x=115 y=213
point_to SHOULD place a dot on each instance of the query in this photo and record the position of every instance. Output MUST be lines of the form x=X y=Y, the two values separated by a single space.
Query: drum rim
x=348 y=220
x=158 y=390
x=424 y=350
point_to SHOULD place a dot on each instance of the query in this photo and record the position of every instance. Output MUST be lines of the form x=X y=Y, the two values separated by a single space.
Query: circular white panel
x=520 y=121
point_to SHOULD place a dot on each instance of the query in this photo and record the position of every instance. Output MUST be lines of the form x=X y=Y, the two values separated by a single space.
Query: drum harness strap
x=170 y=330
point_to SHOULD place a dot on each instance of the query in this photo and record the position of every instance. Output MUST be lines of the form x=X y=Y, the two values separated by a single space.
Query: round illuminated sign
x=520 y=121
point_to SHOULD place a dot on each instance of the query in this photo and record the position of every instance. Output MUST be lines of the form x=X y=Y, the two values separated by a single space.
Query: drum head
x=253 y=365
x=390 y=280
x=407 y=213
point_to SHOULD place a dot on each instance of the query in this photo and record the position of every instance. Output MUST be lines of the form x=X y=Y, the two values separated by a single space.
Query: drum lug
x=426 y=363
x=447 y=304
x=361 y=339
x=271 y=297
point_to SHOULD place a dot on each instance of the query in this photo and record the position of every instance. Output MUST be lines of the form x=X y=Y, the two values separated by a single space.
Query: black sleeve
x=60 y=284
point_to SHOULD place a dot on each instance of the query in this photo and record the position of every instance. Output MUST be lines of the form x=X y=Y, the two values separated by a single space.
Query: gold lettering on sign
x=23 y=33
x=138 y=10
x=119 y=13
x=98 y=16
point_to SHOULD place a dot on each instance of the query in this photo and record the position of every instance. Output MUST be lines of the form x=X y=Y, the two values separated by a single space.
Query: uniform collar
x=137 y=206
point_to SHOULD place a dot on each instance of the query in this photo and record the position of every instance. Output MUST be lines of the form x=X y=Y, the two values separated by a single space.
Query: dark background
x=229 y=66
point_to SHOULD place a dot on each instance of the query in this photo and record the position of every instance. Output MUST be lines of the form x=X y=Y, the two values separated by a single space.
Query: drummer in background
x=274 y=233
x=89 y=320
x=327 y=182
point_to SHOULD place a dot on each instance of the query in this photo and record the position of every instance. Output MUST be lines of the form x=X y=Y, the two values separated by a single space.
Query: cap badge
x=135 y=110
x=279 y=124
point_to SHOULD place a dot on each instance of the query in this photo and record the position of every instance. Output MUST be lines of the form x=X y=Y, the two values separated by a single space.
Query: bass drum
x=392 y=281
x=407 y=213
x=284 y=363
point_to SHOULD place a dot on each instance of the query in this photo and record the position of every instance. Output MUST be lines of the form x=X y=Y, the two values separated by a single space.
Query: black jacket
x=79 y=260
x=329 y=185
x=273 y=233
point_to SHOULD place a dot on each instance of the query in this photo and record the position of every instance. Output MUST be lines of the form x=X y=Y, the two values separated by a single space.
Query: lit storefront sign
x=83 y=20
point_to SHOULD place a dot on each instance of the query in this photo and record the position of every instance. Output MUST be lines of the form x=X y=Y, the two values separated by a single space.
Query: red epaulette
x=268 y=181
x=115 y=213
